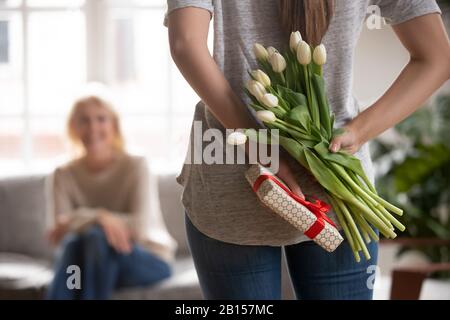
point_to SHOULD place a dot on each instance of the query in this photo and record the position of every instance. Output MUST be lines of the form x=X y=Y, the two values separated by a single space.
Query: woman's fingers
x=124 y=239
x=116 y=231
x=118 y=238
x=111 y=236
x=286 y=175
x=346 y=141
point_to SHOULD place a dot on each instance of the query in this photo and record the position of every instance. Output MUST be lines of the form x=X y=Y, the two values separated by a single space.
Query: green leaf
x=344 y=159
x=299 y=116
x=295 y=149
x=259 y=136
x=256 y=107
x=322 y=102
x=418 y=167
x=325 y=176
x=293 y=98
x=332 y=119
x=315 y=68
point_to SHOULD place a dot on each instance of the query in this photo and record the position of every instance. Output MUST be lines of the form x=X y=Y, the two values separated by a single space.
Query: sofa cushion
x=181 y=286
x=23 y=277
x=172 y=209
x=23 y=216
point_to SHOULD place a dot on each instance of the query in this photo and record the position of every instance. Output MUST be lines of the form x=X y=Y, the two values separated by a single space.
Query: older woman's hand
x=116 y=231
x=55 y=234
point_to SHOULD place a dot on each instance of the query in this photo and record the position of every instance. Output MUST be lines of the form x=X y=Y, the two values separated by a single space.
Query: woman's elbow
x=443 y=62
x=440 y=63
x=447 y=63
x=185 y=44
x=177 y=47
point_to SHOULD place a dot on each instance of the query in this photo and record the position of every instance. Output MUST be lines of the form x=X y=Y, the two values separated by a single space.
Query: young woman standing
x=236 y=242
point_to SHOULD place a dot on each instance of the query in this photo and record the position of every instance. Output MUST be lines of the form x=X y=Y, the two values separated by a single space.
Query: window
x=50 y=49
x=4 y=40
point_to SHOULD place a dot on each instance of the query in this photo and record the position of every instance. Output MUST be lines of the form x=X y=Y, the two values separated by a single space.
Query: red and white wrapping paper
x=309 y=217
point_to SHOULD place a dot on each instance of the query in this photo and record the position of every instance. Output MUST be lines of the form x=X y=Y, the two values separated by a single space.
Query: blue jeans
x=102 y=269
x=229 y=271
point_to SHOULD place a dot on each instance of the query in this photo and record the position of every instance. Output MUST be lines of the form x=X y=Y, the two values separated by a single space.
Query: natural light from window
x=50 y=49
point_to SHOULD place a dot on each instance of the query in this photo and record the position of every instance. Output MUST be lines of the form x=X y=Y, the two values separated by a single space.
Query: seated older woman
x=101 y=216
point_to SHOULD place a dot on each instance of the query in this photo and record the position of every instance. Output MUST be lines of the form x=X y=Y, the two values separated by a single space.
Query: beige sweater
x=124 y=189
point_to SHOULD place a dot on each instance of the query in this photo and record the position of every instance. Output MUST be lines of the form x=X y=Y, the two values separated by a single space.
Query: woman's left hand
x=55 y=234
x=347 y=141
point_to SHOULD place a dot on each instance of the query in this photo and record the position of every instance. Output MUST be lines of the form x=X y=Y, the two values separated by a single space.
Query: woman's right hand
x=286 y=175
x=116 y=231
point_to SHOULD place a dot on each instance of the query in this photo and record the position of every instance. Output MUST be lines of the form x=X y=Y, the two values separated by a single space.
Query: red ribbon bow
x=318 y=208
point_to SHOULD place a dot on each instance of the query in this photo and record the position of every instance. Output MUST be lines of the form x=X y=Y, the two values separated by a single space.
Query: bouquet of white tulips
x=288 y=94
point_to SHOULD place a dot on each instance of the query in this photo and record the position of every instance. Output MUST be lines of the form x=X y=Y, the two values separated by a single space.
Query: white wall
x=379 y=58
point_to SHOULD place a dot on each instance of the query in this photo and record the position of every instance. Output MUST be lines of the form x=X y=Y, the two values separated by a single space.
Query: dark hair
x=310 y=17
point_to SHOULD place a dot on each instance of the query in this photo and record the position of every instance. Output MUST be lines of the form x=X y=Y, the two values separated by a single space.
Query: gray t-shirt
x=218 y=199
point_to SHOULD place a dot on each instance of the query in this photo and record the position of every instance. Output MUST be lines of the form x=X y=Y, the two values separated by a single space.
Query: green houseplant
x=415 y=174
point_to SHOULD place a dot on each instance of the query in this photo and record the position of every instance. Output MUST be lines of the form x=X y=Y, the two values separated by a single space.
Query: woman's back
x=220 y=192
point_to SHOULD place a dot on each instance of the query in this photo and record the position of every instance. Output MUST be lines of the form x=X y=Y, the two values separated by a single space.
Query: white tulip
x=295 y=39
x=320 y=55
x=303 y=53
x=260 y=52
x=278 y=62
x=271 y=51
x=266 y=116
x=269 y=100
x=256 y=89
x=236 y=138
x=261 y=77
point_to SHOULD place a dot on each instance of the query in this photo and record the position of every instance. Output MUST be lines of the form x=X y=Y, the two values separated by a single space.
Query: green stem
x=353 y=199
x=361 y=228
x=353 y=227
x=308 y=91
x=379 y=214
x=366 y=180
x=295 y=128
x=392 y=219
x=386 y=204
x=366 y=226
x=374 y=219
x=294 y=133
x=283 y=79
x=364 y=193
x=345 y=227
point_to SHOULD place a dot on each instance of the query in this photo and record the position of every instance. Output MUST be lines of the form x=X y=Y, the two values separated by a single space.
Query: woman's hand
x=347 y=141
x=117 y=232
x=58 y=232
x=286 y=175
x=427 y=69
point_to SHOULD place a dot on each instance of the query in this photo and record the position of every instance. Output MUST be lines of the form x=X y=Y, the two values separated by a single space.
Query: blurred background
x=50 y=49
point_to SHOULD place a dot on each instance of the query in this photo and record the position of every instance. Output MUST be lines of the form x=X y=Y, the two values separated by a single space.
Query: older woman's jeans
x=102 y=269
x=230 y=271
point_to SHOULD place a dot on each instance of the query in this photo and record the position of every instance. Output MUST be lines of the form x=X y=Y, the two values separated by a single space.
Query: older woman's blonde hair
x=93 y=99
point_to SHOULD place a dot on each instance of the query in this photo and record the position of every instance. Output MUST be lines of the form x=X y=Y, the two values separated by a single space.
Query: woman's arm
x=188 y=34
x=65 y=217
x=145 y=218
x=429 y=67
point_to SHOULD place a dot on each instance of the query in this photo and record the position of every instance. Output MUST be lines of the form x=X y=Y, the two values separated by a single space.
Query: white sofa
x=26 y=258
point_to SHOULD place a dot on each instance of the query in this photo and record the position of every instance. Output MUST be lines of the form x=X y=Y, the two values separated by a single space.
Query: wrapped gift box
x=308 y=217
